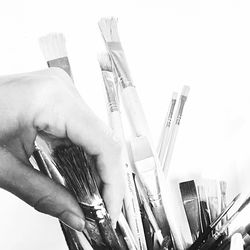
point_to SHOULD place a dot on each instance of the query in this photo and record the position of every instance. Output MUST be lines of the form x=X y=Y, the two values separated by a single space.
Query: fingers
x=39 y=191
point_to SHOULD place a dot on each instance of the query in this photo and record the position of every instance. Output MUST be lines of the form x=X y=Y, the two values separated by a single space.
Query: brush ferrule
x=94 y=212
x=171 y=112
x=62 y=63
x=180 y=111
x=111 y=90
x=120 y=63
x=147 y=172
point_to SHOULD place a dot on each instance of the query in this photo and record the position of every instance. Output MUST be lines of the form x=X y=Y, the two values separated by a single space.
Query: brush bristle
x=105 y=62
x=53 y=46
x=109 y=30
x=185 y=90
x=76 y=167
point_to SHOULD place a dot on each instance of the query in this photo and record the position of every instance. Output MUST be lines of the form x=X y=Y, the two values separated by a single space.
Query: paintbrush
x=174 y=130
x=204 y=209
x=192 y=207
x=134 y=110
x=213 y=195
x=220 y=234
x=77 y=169
x=212 y=226
x=54 y=50
x=137 y=119
x=164 y=137
x=130 y=200
x=74 y=239
x=145 y=165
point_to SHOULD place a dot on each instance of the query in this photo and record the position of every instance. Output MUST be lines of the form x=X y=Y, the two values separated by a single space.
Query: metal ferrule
x=94 y=212
x=111 y=90
x=120 y=63
x=171 y=112
x=62 y=63
x=147 y=171
x=183 y=100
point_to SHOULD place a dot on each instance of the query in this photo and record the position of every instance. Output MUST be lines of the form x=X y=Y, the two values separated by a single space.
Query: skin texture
x=47 y=103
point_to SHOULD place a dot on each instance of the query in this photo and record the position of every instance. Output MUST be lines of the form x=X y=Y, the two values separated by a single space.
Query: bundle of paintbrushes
x=147 y=220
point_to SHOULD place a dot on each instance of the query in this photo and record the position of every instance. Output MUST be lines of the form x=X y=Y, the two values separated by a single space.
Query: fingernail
x=72 y=220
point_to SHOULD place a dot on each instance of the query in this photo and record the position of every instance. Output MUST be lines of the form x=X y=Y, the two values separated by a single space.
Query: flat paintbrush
x=74 y=239
x=77 y=169
x=192 y=207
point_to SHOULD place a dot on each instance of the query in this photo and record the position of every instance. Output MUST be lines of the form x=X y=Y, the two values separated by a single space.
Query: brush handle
x=135 y=111
x=130 y=199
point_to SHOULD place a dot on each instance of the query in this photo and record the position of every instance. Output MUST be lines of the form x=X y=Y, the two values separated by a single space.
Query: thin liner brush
x=130 y=200
x=202 y=238
x=174 y=129
x=54 y=50
x=164 y=137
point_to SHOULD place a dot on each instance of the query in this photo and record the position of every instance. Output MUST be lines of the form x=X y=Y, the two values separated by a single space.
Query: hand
x=47 y=102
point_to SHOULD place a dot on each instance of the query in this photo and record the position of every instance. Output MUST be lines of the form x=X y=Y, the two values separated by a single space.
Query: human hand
x=46 y=102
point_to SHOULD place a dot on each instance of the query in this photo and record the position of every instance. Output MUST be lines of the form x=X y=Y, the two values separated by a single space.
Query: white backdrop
x=204 y=44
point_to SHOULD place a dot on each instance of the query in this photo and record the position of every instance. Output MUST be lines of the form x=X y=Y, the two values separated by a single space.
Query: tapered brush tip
x=108 y=28
x=53 y=46
x=105 y=62
x=185 y=90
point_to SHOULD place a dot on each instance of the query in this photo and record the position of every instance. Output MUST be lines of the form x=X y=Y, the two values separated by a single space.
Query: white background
x=204 y=44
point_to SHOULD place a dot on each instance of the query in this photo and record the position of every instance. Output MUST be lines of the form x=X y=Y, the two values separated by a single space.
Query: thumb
x=39 y=191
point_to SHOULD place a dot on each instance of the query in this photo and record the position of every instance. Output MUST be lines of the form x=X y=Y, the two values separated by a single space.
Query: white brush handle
x=130 y=200
x=135 y=112
x=129 y=237
x=170 y=149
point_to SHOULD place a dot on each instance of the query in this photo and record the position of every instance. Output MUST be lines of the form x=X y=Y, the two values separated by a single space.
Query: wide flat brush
x=192 y=207
x=77 y=169
x=74 y=240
